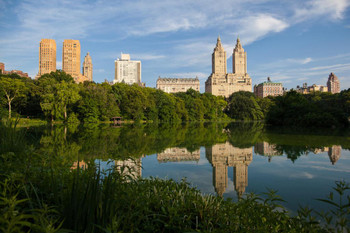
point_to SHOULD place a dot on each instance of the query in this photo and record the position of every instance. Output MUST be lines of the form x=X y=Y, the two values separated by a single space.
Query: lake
x=229 y=160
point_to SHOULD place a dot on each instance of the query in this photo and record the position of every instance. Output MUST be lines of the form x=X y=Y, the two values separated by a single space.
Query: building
x=176 y=154
x=174 y=85
x=268 y=89
x=71 y=59
x=222 y=83
x=127 y=71
x=224 y=155
x=47 y=57
x=2 y=68
x=87 y=67
x=18 y=72
x=333 y=84
x=305 y=89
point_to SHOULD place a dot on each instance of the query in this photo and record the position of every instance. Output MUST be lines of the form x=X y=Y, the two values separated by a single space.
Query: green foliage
x=243 y=105
x=11 y=88
x=313 y=110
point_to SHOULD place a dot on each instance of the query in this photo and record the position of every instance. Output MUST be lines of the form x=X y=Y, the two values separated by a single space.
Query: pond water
x=229 y=160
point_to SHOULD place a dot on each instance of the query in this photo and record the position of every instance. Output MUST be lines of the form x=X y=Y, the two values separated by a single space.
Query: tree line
x=55 y=97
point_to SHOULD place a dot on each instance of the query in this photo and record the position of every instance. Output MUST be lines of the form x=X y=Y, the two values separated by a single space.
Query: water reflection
x=176 y=154
x=214 y=157
x=224 y=155
x=334 y=153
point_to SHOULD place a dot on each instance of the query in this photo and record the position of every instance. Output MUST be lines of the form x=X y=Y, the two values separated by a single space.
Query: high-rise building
x=71 y=58
x=174 y=85
x=333 y=84
x=47 y=56
x=87 y=67
x=127 y=71
x=222 y=83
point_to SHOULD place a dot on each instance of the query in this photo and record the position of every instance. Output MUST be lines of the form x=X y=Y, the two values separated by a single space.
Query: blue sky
x=291 y=41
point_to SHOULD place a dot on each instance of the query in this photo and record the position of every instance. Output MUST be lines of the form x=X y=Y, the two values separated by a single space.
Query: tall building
x=174 y=85
x=87 y=67
x=71 y=58
x=333 y=84
x=268 y=89
x=47 y=56
x=127 y=71
x=222 y=83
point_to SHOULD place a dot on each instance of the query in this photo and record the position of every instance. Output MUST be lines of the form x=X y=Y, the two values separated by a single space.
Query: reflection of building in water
x=266 y=149
x=178 y=154
x=334 y=153
x=320 y=150
x=225 y=155
x=129 y=167
x=81 y=164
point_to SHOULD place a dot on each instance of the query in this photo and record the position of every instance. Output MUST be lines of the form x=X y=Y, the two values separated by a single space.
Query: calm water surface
x=229 y=160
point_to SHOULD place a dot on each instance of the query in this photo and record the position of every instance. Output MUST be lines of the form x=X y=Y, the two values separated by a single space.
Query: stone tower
x=219 y=59
x=87 y=67
x=239 y=59
x=333 y=84
x=47 y=56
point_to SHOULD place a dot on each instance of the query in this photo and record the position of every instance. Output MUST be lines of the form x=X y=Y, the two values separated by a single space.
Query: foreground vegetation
x=41 y=192
x=55 y=97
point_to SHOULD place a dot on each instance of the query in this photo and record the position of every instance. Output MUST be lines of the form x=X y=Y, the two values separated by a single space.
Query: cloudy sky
x=292 y=41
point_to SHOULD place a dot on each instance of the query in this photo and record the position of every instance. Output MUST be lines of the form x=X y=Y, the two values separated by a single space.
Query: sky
x=292 y=42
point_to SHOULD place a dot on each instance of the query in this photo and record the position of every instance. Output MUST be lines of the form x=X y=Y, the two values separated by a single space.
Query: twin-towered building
x=70 y=59
x=222 y=83
x=219 y=83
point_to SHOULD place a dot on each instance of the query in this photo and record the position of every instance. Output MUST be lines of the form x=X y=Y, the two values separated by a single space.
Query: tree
x=242 y=105
x=66 y=94
x=12 y=88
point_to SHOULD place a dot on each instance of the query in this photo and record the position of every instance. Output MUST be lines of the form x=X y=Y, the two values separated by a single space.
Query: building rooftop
x=178 y=79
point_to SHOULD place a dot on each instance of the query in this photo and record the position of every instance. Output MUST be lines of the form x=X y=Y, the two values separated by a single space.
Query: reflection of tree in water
x=244 y=135
x=129 y=141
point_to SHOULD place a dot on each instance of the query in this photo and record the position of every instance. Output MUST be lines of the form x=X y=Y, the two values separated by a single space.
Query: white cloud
x=258 y=26
x=332 y=9
x=300 y=61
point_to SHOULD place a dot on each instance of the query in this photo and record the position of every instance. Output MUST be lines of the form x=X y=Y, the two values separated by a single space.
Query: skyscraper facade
x=222 y=83
x=47 y=56
x=87 y=68
x=127 y=71
x=333 y=84
x=71 y=58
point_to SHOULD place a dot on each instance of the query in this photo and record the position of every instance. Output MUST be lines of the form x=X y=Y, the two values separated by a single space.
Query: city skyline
x=292 y=43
